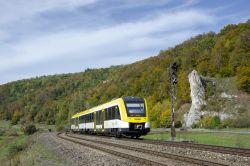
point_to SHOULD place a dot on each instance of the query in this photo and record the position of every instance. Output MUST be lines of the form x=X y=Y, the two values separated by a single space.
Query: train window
x=82 y=119
x=135 y=109
x=106 y=114
x=112 y=112
x=102 y=115
x=117 y=113
x=87 y=118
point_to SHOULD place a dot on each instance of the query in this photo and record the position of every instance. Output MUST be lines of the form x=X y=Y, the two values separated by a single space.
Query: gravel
x=158 y=159
x=228 y=159
x=78 y=155
x=81 y=155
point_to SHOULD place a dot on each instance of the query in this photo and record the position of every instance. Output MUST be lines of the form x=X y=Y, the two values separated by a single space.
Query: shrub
x=14 y=149
x=155 y=124
x=2 y=132
x=178 y=124
x=210 y=122
x=29 y=129
x=195 y=125
x=12 y=133
x=60 y=128
x=243 y=76
x=227 y=123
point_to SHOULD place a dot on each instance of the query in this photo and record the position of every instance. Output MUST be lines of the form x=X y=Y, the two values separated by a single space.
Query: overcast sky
x=44 y=37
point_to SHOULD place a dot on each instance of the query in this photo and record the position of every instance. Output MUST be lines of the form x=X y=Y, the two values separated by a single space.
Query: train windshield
x=136 y=109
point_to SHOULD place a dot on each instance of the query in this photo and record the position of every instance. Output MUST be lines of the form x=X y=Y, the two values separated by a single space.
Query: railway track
x=140 y=160
x=211 y=148
x=203 y=147
x=155 y=153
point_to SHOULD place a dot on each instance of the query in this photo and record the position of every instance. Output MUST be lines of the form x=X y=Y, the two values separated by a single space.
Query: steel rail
x=143 y=161
x=161 y=154
x=211 y=148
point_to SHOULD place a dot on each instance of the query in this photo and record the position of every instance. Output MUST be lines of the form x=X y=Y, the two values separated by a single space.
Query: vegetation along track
x=155 y=153
x=143 y=161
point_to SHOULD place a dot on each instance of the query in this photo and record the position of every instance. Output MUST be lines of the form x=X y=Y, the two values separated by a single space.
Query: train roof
x=100 y=107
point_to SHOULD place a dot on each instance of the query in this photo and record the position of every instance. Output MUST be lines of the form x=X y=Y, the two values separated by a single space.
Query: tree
x=183 y=86
x=16 y=117
x=243 y=77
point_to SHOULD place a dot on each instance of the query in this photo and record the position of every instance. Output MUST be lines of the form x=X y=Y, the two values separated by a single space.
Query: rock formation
x=197 y=96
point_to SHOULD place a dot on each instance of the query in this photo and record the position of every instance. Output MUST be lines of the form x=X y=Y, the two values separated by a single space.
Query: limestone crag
x=197 y=96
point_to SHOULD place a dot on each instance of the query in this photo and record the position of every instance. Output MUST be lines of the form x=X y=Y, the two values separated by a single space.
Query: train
x=125 y=116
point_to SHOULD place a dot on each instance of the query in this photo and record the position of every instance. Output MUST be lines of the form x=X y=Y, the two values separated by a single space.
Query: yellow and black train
x=124 y=116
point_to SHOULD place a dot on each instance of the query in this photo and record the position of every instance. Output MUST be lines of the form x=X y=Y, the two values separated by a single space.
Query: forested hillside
x=53 y=99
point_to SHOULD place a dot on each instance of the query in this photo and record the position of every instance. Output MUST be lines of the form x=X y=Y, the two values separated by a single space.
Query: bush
x=210 y=122
x=243 y=76
x=12 y=133
x=14 y=149
x=227 y=123
x=60 y=128
x=178 y=124
x=154 y=124
x=29 y=129
x=2 y=132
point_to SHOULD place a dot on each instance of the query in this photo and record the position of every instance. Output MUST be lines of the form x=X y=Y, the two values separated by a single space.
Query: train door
x=77 y=124
x=94 y=121
x=102 y=119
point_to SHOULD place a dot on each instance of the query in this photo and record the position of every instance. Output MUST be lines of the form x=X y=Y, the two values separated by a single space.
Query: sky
x=65 y=36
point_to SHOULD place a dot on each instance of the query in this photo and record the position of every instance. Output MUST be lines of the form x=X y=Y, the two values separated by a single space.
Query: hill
x=53 y=99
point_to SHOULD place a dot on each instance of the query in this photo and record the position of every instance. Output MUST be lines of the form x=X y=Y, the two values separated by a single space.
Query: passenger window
x=106 y=114
x=109 y=114
x=112 y=112
x=117 y=113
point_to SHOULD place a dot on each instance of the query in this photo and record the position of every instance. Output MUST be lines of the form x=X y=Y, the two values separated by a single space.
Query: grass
x=211 y=138
x=19 y=149
x=10 y=145
x=38 y=154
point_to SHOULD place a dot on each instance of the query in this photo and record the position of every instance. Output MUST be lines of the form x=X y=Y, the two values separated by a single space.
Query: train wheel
x=118 y=134
x=138 y=136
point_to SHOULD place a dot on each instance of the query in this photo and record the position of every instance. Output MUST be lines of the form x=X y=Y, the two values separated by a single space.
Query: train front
x=136 y=115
